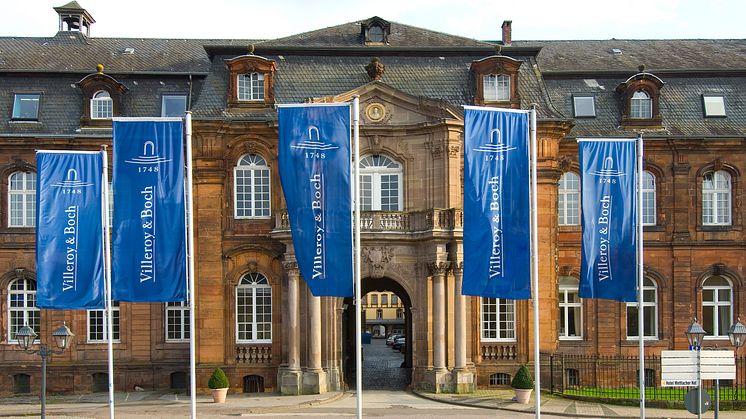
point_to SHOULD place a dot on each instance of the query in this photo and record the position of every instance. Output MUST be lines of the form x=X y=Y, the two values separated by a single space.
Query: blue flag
x=149 y=247
x=609 y=256
x=497 y=256
x=69 y=249
x=315 y=175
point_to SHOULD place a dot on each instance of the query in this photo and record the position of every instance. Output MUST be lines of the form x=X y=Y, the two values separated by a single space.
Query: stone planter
x=218 y=395
x=522 y=396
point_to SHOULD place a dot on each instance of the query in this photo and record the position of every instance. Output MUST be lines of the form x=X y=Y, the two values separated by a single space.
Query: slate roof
x=300 y=77
x=656 y=55
x=349 y=35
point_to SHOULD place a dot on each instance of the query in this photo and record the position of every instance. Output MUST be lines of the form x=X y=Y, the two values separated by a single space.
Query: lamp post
x=694 y=334
x=26 y=337
x=737 y=337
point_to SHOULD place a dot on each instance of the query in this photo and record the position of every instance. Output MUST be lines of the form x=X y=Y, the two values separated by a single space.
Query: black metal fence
x=615 y=377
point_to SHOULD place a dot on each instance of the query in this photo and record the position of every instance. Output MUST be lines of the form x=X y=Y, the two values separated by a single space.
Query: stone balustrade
x=396 y=221
x=499 y=351
x=254 y=354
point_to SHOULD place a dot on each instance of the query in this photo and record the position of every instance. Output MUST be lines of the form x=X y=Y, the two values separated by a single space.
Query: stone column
x=462 y=378
x=314 y=378
x=290 y=376
x=440 y=377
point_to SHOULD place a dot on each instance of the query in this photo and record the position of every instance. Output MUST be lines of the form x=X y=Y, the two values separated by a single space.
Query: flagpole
x=190 y=258
x=107 y=272
x=535 y=263
x=640 y=273
x=356 y=250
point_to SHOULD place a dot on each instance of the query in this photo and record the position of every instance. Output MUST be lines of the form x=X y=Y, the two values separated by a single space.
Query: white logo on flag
x=72 y=185
x=495 y=145
x=149 y=156
x=608 y=169
x=314 y=142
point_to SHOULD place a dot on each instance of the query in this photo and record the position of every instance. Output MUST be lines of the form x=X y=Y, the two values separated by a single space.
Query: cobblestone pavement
x=382 y=367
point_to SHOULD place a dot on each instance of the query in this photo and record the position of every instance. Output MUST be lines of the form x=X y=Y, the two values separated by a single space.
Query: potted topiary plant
x=219 y=385
x=523 y=384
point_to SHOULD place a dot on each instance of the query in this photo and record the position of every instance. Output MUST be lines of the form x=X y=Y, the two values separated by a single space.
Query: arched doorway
x=381 y=368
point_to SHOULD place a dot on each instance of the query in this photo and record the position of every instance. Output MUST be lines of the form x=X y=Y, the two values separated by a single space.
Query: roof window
x=26 y=106
x=714 y=106
x=584 y=106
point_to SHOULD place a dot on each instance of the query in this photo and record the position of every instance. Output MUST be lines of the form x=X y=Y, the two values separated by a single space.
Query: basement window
x=714 y=106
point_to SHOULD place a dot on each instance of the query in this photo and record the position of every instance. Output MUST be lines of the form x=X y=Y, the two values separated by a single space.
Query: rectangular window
x=374 y=299
x=98 y=326
x=177 y=321
x=379 y=314
x=714 y=106
x=26 y=106
x=394 y=300
x=498 y=319
x=173 y=105
x=496 y=87
x=585 y=106
x=251 y=86
x=384 y=300
x=571 y=314
x=399 y=313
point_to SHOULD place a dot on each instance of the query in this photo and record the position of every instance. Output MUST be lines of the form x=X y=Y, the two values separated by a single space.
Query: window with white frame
x=177 y=321
x=22 y=199
x=380 y=184
x=716 y=198
x=496 y=87
x=102 y=107
x=110 y=210
x=714 y=106
x=584 y=106
x=570 y=309
x=640 y=105
x=251 y=187
x=98 y=329
x=22 y=308
x=251 y=86
x=649 y=312
x=569 y=199
x=26 y=107
x=498 y=319
x=173 y=105
x=648 y=199
x=717 y=307
x=254 y=309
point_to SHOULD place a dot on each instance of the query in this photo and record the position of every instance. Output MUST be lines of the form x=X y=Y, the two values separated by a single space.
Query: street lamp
x=694 y=334
x=26 y=337
x=737 y=334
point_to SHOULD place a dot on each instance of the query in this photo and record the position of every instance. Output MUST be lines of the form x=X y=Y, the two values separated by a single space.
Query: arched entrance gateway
x=386 y=308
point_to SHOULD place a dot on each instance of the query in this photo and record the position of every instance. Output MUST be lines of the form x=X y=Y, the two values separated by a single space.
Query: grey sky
x=479 y=19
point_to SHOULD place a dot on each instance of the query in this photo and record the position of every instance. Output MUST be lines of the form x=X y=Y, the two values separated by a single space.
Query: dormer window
x=641 y=107
x=102 y=106
x=251 y=82
x=640 y=96
x=496 y=87
x=375 y=31
x=251 y=86
x=102 y=98
x=496 y=81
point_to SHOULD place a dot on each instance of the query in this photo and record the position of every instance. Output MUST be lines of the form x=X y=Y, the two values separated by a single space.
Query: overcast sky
x=478 y=19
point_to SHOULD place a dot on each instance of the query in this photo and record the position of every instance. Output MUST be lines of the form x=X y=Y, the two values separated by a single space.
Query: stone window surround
x=245 y=64
x=94 y=83
x=496 y=65
x=651 y=85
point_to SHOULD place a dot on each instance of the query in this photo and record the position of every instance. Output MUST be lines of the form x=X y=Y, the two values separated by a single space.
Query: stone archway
x=348 y=334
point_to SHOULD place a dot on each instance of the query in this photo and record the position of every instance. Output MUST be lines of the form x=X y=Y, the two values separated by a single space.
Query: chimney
x=507 y=35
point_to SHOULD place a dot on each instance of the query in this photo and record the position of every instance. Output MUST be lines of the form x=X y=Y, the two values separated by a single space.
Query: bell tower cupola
x=74 y=18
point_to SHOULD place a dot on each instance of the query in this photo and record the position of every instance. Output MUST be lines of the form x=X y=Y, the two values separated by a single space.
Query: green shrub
x=218 y=379
x=522 y=379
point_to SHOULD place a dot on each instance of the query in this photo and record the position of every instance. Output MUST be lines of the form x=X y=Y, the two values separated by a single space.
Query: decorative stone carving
x=375 y=68
x=564 y=164
x=457 y=267
x=377 y=258
x=438 y=268
x=436 y=148
x=251 y=266
x=291 y=267
x=453 y=150
x=718 y=164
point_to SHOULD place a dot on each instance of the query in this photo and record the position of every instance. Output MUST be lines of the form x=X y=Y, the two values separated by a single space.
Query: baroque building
x=255 y=316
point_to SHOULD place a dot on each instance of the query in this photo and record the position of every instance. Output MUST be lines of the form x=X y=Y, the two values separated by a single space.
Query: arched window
x=380 y=184
x=570 y=309
x=22 y=199
x=716 y=198
x=253 y=309
x=569 y=199
x=375 y=33
x=496 y=87
x=648 y=199
x=641 y=106
x=717 y=307
x=22 y=308
x=649 y=310
x=498 y=319
x=251 y=187
x=251 y=86
x=102 y=107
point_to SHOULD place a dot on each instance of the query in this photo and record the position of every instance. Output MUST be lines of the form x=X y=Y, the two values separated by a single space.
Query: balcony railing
x=396 y=221
x=499 y=351
x=254 y=354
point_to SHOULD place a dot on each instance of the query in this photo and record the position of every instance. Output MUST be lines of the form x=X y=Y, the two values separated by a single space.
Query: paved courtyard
x=382 y=367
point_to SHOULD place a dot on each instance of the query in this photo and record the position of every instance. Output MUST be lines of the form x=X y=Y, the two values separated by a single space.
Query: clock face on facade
x=375 y=112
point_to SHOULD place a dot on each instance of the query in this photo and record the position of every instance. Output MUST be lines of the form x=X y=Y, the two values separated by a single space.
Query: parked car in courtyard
x=398 y=343
x=392 y=337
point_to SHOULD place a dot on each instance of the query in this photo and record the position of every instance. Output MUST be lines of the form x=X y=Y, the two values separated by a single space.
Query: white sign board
x=679 y=368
